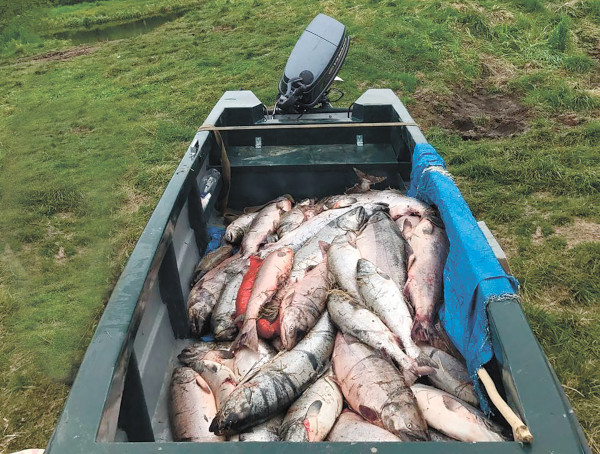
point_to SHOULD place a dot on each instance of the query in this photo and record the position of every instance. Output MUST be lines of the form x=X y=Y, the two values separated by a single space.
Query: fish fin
x=334 y=379
x=411 y=260
x=451 y=403
x=424 y=360
x=248 y=337
x=367 y=180
x=351 y=238
x=406 y=228
x=313 y=410
x=324 y=247
x=368 y=413
x=202 y=384
x=423 y=330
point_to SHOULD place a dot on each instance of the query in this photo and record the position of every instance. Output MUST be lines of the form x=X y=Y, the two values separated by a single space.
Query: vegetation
x=90 y=135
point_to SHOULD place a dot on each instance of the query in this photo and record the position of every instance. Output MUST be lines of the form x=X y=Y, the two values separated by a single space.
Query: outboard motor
x=312 y=66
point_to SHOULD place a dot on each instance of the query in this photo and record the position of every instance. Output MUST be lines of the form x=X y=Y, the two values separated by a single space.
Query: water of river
x=121 y=31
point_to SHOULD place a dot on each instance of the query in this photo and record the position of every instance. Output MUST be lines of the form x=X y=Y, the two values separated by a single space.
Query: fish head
x=378 y=216
x=353 y=219
x=290 y=333
x=365 y=267
x=182 y=375
x=233 y=415
x=284 y=204
x=405 y=420
x=375 y=207
x=234 y=234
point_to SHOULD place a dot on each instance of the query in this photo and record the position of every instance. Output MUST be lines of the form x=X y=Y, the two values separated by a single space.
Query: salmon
x=381 y=296
x=451 y=376
x=382 y=244
x=303 y=304
x=221 y=380
x=351 y=427
x=290 y=220
x=272 y=273
x=211 y=260
x=312 y=252
x=192 y=407
x=357 y=321
x=277 y=384
x=376 y=390
x=453 y=417
x=313 y=415
x=238 y=228
x=218 y=353
x=429 y=246
x=265 y=223
x=266 y=431
x=246 y=360
x=342 y=258
x=222 y=319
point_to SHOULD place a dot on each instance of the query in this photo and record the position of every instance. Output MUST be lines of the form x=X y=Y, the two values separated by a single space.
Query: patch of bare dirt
x=580 y=231
x=61 y=55
x=474 y=114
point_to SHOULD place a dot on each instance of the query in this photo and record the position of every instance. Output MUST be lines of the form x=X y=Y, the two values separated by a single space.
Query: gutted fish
x=272 y=273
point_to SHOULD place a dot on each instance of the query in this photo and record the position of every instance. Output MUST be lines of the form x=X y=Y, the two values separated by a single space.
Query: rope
x=354 y=124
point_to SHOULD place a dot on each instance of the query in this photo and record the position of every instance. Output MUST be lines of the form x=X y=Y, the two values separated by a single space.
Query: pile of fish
x=324 y=327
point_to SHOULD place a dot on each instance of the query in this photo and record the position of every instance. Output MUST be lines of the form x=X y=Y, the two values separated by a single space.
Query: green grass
x=87 y=144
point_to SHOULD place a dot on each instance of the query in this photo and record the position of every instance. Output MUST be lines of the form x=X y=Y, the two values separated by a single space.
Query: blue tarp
x=472 y=275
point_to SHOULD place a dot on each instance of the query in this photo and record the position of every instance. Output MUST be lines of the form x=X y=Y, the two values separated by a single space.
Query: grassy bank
x=90 y=135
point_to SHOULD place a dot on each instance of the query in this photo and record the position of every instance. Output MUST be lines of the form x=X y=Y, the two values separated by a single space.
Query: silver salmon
x=247 y=360
x=210 y=260
x=210 y=351
x=222 y=318
x=453 y=417
x=342 y=258
x=429 y=246
x=192 y=406
x=351 y=427
x=266 y=431
x=381 y=243
x=311 y=253
x=202 y=299
x=264 y=224
x=312 y=416
x=383 y=297
x=238 y=228
x=221 y=380
x=278 y=383
x=353 y=319
x=376 y=390
x=290 y=221
x=451 y=375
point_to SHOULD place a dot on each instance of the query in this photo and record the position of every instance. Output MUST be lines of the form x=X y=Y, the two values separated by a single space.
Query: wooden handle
x=520 y=430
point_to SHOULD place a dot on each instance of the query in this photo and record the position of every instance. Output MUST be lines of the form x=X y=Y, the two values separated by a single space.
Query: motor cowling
x=312 y=66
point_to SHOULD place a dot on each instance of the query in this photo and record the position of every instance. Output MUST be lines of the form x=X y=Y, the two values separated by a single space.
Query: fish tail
x=423 y=330
x=248 y=337
x=415 y=371
x=424 y=360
